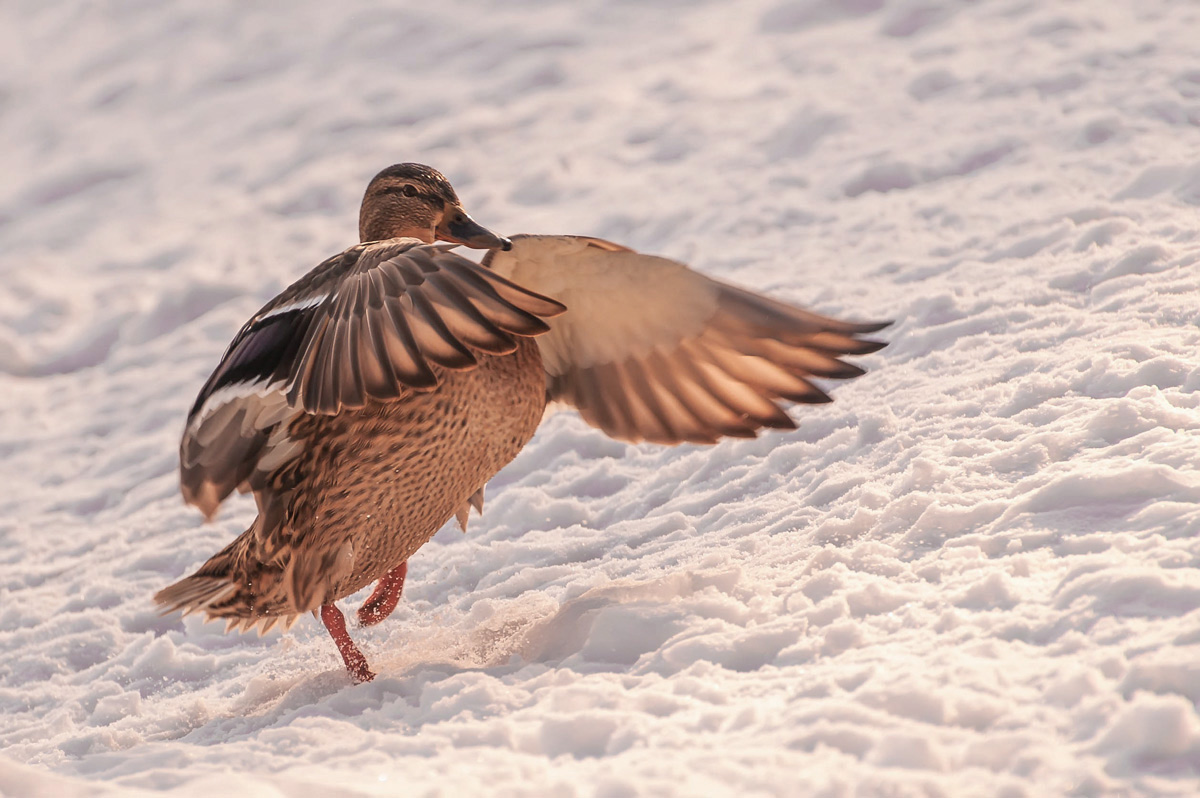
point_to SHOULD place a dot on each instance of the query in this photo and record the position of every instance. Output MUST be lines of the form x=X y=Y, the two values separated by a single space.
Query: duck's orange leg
x=385 y=597
x=356 y=663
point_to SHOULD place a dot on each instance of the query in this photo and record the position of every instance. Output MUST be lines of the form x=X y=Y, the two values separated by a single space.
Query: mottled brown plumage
x=372 y=400
x=371 y=486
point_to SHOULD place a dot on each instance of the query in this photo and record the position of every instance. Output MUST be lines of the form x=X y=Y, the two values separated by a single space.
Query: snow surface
x=976 y=573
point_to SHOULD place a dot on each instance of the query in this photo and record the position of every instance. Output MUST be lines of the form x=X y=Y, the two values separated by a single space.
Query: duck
x=371 y=401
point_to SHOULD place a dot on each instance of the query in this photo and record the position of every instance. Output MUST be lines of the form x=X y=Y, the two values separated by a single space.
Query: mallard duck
x=373 y=399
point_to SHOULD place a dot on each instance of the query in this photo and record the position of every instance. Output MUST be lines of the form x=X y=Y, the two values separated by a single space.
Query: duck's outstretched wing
x=651 y=350
x=373 y=323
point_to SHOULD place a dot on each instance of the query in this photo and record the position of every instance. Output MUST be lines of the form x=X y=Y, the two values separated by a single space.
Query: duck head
x=417 y=201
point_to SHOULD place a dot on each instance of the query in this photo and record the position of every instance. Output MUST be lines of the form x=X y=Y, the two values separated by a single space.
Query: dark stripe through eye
x=410 y=190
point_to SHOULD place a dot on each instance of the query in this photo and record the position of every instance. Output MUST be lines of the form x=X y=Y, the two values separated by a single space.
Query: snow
x=975 y=574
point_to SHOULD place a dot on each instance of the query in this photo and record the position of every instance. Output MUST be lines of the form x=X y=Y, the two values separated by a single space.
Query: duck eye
x=410 y=191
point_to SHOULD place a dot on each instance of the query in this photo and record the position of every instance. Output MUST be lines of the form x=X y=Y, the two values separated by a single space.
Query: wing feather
x=680 y=376
x=465 y=319
x=660 y=427
x=438 y=342
x=410 y=363
x=651 y=350
x=374 y=323
x=740 y=397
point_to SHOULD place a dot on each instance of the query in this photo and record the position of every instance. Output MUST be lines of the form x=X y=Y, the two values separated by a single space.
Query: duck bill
x=462 y=229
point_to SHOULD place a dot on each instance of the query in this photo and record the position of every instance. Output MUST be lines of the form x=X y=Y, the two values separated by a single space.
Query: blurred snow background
x=976 y=574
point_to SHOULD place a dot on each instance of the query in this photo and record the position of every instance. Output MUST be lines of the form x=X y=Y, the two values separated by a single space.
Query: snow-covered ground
x=977 y=573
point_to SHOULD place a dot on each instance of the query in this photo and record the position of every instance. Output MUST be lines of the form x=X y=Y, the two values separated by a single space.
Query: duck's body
x=381 y=480
x=372 y=400
x=370 y=486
